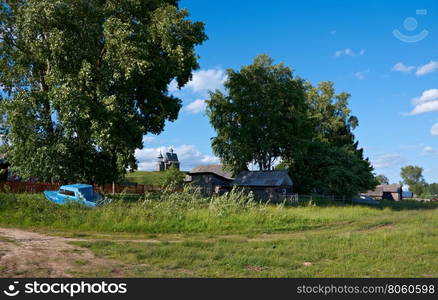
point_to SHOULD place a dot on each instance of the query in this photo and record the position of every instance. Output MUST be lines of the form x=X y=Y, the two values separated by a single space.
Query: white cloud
x=400 y=67
x=430 y=67
x=173 y=86
x=425 y=108
x=428 y=95
x=427 y=68
x=427 y=102
x=434 y=129
x=149 y=139
x=147 y=157
x=188 y=155
x=361 y=75
x=196 y=106
x=427 y=149
x=203 y=81
x=349 y=52
x=387 y=160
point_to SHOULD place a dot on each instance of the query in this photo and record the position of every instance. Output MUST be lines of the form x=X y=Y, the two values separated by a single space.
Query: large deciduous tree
x=267 y=114
x=331 y=162
x=86 y=79
x=263 y=111
x=413 y=177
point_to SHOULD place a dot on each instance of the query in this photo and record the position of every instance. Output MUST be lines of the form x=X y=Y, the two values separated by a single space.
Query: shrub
x=173 y=178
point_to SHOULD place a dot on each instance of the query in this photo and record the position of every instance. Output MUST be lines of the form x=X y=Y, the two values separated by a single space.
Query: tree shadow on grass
x=393 y=205
x=407 y=205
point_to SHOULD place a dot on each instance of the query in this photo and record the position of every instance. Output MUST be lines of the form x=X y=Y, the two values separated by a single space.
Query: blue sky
x=393 y=83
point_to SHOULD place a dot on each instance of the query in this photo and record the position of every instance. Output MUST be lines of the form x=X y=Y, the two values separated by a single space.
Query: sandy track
x=29 y=254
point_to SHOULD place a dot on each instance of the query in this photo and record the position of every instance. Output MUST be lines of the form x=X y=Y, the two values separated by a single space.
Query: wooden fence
x=39 y=187
x=27 y=187
x=138 y=189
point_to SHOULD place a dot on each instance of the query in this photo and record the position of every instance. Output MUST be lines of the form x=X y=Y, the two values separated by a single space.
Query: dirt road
x=30 y=254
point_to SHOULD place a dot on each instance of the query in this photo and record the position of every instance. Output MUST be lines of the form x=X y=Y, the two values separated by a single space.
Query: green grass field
x=145 y=177
x=184 y=235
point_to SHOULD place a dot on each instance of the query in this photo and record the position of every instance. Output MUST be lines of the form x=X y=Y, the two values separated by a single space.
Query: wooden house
x=210 y=178
x=387 y=191
x=266 y=185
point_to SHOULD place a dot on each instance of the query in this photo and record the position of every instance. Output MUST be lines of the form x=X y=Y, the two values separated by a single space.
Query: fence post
x=113 y=188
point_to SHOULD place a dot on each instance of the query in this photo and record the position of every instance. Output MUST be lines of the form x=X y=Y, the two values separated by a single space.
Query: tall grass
x=182 y=212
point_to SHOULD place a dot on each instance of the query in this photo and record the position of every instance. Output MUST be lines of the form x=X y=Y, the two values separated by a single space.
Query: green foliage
x=412 y=176
x=382 y=179
x=86 y=79
x=331 y=170
x=173 y=177
x=432 y=189
x=186 y=211
x=380 y=243
x=263 y=112
x=331 y=161
x=182 y=212
x=426 y=191
x=268 y=114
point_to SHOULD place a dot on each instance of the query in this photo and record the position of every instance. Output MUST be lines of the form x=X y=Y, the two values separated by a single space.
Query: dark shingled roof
x=263 y=178
x=170 y=156
x=385 y=188
x=215 y=169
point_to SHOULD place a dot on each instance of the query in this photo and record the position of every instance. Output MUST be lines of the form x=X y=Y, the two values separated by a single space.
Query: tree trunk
x=46 y=104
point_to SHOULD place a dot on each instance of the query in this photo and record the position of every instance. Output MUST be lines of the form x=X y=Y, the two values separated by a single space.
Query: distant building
x=267 y=185
x=170 y=159
x=387 y=191
x=407 y=194
x=210 y=178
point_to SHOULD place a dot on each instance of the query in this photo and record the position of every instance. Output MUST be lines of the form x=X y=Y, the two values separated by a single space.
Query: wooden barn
x=387 y=191
x=210 y=178
x=266 y=185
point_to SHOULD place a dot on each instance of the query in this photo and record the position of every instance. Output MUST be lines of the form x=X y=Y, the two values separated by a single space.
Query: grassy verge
x=147 y=178
x=185 y=235
x=381 y=250
x=185 y=212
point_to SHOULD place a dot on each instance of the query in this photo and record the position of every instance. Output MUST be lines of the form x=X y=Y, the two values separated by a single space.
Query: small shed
x=266 y=185
x=407 y=194
x=210 y=178
x=387 y=191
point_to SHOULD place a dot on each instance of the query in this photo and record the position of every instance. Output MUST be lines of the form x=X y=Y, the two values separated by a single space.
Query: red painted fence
x=39 y=187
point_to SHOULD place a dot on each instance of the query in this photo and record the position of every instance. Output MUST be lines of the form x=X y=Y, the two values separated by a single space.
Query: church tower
x=160 y=163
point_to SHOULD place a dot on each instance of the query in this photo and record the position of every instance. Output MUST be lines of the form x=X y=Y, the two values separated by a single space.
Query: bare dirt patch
x=376 y=227
x=30 y=254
